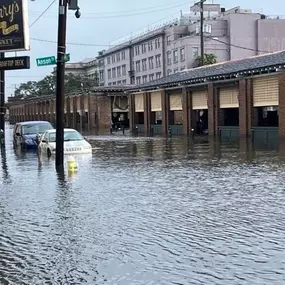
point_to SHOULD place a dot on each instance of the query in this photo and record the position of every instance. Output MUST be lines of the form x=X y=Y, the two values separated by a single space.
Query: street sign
x=13 y=63
x=46 y=61
x=67 y=57
x=50 y=60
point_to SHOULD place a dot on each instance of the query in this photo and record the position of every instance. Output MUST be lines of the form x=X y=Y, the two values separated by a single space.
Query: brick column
x=165 y=111
x=147 y=111
x=92 y=113
x=281 y=109
x=212 y=110
x=186 y=111
x=132 y=114
x=246 y=111
x=104 y=112
x=82 y=112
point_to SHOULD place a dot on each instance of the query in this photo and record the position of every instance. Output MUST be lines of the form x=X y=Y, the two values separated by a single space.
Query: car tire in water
x=48 y=153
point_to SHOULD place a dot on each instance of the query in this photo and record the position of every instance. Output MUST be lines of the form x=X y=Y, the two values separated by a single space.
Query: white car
x=74 y=143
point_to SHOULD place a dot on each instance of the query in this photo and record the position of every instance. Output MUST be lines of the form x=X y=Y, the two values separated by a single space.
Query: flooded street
x=144 y=211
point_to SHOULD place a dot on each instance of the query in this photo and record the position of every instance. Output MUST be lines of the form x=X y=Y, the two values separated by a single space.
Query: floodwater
x=144 y=211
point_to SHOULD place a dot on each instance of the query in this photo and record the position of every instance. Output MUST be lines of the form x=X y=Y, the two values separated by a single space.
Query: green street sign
x=50 y=60
x=46 y=61
x=67 y=57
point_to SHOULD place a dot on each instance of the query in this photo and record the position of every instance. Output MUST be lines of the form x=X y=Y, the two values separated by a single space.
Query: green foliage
x=47 y=86
x=209 y=58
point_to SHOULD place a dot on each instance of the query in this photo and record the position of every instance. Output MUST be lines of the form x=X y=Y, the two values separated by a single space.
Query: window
x=175 y=56
x=175 y=70
x=195 y=52
x=68 y=136
x=144 y=65
x=101 y=62
x=123 y=55
x=150 y=62
x=109 y=74
x=182 y=54
x=124 y=70
x=124 y=82
x=114 y=72
x=138 y=66
x=114 y=83
x=35 y=128
x=144 y=79
x=138 y=80
x=113 y=58
x=168 y=40
x=109 y=84
x=118 y=57
x=101 y=75
x=151 y=77
x=169 y=71
x=150 y=46
x=144 y=48
x=157 y=43
x=182 y=68
x=158 y=75
x=137 y=50
x=168 y=57
x=119 y=83
x=108 y=60
x=158 y=60
x=118 y=71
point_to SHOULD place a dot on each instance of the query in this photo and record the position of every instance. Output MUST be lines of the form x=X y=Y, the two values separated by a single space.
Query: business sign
x=14 y=63
x=14 y=29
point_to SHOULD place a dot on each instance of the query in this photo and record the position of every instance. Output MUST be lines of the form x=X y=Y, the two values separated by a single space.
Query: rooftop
x=225 y=70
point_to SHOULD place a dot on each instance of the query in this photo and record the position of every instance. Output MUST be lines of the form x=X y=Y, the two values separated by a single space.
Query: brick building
x=236 y=98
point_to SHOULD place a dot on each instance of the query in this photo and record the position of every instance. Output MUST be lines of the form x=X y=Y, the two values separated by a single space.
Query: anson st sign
x=14 y=30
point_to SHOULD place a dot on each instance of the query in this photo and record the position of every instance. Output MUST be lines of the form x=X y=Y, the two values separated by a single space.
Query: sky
x=101 y=24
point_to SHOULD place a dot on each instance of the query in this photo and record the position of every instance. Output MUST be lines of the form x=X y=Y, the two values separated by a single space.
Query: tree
x=47 y=86
x=209 y=58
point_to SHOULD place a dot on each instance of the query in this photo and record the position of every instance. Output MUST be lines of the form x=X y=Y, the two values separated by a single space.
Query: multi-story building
x=87 y=68
x=229 y=34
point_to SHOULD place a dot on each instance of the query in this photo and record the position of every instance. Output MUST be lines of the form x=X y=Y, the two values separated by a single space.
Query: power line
x=131 y=14
x=236 y=46
x=126 y=11
x=43 y=13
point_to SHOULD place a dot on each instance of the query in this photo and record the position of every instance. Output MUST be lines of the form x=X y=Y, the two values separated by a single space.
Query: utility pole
x=60 y=72
x=201 y=3
x=2 y=98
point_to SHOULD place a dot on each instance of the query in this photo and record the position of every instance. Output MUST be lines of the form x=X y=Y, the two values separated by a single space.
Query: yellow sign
x=13 y=25
x=8 y=30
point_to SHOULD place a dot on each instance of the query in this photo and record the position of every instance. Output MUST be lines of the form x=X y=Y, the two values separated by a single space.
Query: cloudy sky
x=102 y=23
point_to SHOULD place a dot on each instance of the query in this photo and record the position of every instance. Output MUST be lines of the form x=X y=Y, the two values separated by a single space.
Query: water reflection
x=145 y=211
x=6 y=176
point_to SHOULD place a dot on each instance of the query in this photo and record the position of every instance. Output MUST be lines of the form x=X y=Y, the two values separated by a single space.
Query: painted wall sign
x=14 y=63
x=14 y=29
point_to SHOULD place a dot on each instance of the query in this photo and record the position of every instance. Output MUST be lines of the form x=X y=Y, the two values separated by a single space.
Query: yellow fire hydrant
x=71 y=164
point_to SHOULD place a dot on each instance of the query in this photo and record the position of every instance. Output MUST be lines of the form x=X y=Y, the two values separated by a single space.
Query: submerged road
x=144 y=211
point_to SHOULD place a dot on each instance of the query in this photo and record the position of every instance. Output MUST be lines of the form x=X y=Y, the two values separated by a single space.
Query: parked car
x=74 y=143
x=26 y=134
